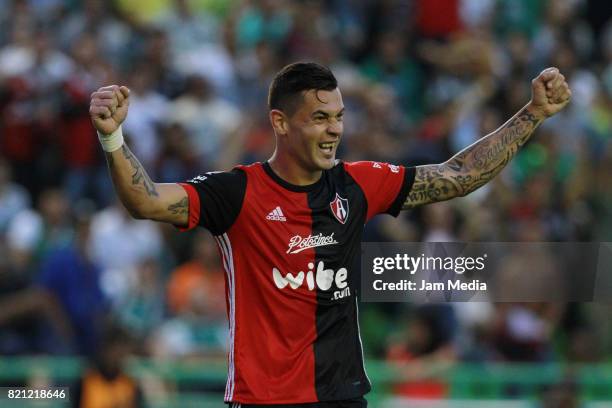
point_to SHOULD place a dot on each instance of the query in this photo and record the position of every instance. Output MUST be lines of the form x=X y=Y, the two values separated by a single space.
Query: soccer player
x=289 y=229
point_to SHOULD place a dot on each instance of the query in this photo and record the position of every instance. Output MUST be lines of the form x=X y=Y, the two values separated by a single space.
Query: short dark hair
x=292 y=80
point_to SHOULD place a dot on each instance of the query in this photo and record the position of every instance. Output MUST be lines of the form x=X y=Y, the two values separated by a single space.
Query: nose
x=334 y=128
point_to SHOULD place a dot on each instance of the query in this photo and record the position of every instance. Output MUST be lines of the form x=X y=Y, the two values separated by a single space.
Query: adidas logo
x=276 y=215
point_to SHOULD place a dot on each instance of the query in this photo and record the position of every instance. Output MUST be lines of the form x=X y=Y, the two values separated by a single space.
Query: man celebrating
x=289 y=229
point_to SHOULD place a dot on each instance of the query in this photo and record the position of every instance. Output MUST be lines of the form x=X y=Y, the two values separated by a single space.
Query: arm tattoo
x=139 y=175
x=431 y=185
x=474 y=166
x=180 y=207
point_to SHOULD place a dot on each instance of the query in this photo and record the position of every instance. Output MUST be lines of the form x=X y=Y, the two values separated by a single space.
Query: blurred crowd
x=421 y=79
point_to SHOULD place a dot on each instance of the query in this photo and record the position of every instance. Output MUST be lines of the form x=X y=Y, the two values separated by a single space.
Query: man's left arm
x=477 y=164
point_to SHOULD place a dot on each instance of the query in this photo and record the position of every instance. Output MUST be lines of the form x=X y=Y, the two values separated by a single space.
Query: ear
x=279 y=122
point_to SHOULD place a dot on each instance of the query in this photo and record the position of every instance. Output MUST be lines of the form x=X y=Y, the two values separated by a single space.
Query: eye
x=319 y=118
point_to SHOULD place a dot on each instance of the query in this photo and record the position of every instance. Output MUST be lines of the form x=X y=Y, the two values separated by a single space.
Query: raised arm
x=143 y=198
x=477 y=164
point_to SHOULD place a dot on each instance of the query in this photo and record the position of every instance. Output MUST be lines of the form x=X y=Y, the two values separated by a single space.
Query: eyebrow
x=326 y=114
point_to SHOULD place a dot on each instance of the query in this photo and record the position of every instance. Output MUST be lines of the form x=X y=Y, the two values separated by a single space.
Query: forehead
x=320 y=100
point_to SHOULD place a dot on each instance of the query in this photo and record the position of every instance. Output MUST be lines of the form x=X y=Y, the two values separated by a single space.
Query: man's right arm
x=143 y=198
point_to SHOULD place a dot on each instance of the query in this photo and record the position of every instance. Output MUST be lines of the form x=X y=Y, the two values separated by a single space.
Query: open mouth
x=327 y=147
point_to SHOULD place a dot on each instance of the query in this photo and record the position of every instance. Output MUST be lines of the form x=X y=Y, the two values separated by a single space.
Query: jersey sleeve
x=384 y=185
x=215 y=200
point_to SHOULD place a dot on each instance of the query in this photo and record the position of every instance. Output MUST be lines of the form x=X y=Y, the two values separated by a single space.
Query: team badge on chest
x=340 y=208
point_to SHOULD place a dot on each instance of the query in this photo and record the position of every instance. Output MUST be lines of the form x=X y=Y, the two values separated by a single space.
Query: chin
x=326 y=164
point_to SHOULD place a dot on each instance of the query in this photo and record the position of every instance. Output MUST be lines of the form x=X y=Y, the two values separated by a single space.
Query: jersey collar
x=289 y=186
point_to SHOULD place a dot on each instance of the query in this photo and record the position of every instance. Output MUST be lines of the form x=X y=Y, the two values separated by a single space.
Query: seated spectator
x=105 y=383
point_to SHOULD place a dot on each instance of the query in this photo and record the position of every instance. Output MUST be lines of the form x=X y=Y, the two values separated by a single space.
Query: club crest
x=340 y=208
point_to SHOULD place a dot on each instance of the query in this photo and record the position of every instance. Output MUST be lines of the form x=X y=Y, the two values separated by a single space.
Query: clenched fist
x=549 y=92
x=109 y=107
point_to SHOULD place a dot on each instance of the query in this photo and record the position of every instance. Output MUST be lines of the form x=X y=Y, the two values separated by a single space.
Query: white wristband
x=111 y=142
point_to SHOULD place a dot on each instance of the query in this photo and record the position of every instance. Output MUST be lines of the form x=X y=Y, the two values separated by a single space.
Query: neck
x=290 y=170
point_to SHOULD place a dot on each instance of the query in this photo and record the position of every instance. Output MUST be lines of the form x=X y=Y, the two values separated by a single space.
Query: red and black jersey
x=292 y=259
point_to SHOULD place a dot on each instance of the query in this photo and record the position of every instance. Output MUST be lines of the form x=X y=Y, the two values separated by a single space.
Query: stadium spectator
x=137 y=242
x=141 y=309
x=105 y=382
x=211 y=122
x=73 y=278
x=201 y=278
